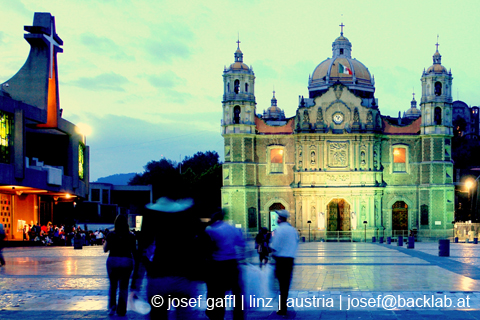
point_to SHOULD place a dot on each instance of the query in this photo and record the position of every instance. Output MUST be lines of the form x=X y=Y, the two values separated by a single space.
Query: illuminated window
x=276 y=160
x=399 y=160
x=6 y=138
x=81 y=160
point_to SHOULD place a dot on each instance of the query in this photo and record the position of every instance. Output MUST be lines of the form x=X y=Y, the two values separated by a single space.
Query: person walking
x=261 y=244
x=2 y=239
x=170 y=230
x=122 y=245
x=227 y=247
x=284 y=245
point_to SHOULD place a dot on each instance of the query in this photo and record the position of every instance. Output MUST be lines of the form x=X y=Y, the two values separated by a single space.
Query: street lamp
x=309 y=222
x=453 y=230
x=365 y=223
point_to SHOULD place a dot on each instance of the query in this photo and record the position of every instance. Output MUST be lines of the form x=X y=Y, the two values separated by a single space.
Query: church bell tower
x=238 y=97
x=239 y=191
x=436 y=189
x=436 y=102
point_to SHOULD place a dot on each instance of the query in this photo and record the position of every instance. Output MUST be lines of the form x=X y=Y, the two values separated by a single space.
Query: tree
x=198 y=177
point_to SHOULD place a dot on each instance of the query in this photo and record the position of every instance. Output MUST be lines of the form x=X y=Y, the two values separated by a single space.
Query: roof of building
x=393 y=129
x=264 y=128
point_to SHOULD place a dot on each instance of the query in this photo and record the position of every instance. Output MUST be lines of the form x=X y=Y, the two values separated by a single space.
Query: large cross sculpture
x=52 y=42
x=341 y=26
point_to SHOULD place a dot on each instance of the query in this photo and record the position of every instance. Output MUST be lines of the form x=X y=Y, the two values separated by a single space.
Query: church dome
x=274 y=112
x=413 y=112
x=342 y=68
x=238 y=65
x=437 y=68
x=437 y=63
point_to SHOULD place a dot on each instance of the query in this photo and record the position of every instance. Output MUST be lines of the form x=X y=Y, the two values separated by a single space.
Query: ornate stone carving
x=312 y=157
x=338 y=154
x=306 y=116
x=370 y=116
x=338 y=177
x=356 y=116
x=319 y=115
x=338 y=91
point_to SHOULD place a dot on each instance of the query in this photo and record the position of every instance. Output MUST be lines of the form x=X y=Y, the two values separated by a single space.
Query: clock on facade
x=337 y=118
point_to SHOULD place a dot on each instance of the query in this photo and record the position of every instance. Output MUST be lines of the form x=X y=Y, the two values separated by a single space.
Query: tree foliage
x=198 y=177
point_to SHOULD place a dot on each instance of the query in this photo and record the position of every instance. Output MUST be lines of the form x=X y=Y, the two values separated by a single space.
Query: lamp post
x=365 y=223
x=309 y=222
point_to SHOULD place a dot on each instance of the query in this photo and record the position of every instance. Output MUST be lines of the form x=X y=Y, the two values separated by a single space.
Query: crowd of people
x=53 y=235
x=174 y=264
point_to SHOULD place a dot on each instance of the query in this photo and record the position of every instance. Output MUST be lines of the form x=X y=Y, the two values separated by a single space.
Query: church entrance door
x=400 y=216
x=274 y=215
x=338 y=218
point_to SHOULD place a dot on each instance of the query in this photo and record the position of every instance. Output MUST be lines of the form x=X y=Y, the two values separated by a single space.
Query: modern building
x=44 y=159
x=339 y=166
x=106 y=201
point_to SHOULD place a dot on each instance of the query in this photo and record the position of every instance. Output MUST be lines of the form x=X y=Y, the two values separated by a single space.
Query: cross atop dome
x=437 y=58
x=341 y=30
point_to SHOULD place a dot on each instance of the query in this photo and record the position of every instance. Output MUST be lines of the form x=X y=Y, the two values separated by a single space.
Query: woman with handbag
x=261 y=243
x=122 y=245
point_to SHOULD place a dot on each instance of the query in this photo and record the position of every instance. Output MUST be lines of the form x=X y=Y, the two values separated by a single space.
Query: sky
x=146 y=76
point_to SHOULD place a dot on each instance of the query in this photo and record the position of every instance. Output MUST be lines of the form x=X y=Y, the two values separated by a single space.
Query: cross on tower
x=52 y=42
x=238 y=41
x=437 y=44
x=341 y=26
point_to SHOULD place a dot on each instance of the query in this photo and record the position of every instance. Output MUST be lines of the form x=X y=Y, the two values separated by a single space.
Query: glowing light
x=396 y=152
x=469 y=184
x=84 y=129
x=68 y=196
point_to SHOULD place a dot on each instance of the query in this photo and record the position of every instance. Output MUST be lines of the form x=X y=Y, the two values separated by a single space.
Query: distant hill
x=120 y=179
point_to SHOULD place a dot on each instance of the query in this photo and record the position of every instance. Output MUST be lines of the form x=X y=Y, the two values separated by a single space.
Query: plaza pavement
x=332 y=280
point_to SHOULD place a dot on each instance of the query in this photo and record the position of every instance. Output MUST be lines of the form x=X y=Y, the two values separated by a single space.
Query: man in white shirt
x=284 y=245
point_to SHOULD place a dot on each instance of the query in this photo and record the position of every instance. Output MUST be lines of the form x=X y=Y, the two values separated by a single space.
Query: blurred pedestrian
x=2 y=239
x=261 y=244
x=121 y=244
x=228 y=248
x=284 y=245
x=170 y=230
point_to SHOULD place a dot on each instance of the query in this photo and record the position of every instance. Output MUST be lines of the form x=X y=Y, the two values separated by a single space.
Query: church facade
x=339 y=166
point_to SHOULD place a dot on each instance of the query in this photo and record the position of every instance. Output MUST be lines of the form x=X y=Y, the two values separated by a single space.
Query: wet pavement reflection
x=63 y=279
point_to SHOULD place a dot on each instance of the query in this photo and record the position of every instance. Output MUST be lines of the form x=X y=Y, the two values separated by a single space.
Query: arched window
x=236 y=114
x=237 y=86
x=399 y=159
x=246 y=87
x=228 y=87
x=438 y=88
x=438 y=116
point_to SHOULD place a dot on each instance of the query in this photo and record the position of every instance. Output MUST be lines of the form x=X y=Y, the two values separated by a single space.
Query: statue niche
x=320 y=124
x=306 y=121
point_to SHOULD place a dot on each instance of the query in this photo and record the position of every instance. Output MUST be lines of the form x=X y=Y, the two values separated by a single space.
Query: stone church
x=339 y=166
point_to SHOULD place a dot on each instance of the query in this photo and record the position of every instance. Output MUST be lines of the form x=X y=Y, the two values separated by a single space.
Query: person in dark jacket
x=261 y=244
x=121 y=244
x=171 y=232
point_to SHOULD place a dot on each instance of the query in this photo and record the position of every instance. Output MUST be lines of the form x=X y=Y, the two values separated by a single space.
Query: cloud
x=2 y=36
x=167 y=50
x=104 y=45
x=106 y=81
x=165 y=80
x=20 y=8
